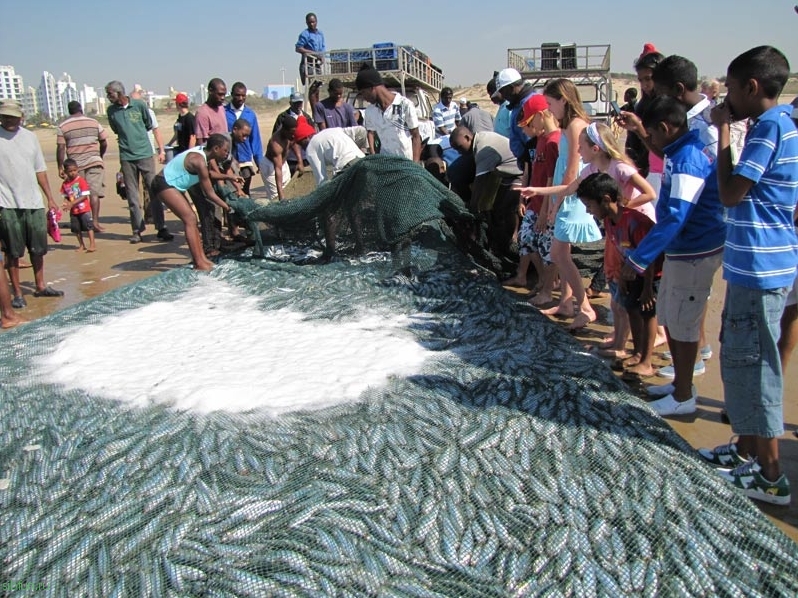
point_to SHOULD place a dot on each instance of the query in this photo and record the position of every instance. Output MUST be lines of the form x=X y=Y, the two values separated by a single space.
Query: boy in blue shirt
x=690 y=232
x=759 y=265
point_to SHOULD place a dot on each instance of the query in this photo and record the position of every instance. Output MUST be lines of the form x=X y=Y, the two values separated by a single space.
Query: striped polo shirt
x=761 y=250
x=82 y=135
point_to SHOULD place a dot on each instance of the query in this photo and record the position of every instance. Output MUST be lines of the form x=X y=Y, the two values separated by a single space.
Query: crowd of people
x=700 y=184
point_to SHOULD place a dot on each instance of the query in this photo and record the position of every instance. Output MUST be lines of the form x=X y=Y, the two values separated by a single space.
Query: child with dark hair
x=624 y=230
x=77 y=198
x=690 y=231
x=759 y=266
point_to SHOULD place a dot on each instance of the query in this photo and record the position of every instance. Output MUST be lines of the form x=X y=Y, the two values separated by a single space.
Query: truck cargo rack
x=587 y=66
x=400 y=66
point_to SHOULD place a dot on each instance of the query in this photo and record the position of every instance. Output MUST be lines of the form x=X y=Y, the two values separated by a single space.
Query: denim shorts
x=750 y=363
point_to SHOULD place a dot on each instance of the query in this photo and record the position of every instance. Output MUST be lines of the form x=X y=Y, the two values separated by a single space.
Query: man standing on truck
x=310 y=43
x=391 y=116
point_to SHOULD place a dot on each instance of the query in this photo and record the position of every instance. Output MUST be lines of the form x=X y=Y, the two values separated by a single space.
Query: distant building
x=90 y=101
x=47 y=97
x=277 y=92
x=11 y=85
x=67 y=92
x=30 y=102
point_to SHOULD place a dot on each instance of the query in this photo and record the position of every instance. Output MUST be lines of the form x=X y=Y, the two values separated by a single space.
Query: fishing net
x=493 y=458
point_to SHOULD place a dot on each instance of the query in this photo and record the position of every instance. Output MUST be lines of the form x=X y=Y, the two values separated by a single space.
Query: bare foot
x=515 y=281
x=91 y=250
x=632 y=361
x=608 y=342
x=11 y=321
x=205 y=265
x=642 y=370
x=614 y=353
x=98 y=228
x=540 y=299
x=582 y=319
x=80 y=249
x=558 y=310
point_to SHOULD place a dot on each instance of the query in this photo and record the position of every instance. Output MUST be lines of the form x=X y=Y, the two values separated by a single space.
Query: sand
x=116 y=262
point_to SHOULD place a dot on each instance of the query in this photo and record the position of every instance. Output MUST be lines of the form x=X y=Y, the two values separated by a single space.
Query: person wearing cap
x=476 y=119
x=511 y=87
x=23 y=215
x=185 y=135
x=501 y=122
x=84 y=140
x=130 y=120
x=310 y=44
x=445 y=114
x=493 y=197
x=296 y=155
x=248 y=152
x=334 y=110
x=391 y=116
x=274 y=167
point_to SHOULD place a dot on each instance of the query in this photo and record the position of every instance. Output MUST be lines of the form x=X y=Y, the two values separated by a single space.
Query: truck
x=404 y=69
x=587 y=66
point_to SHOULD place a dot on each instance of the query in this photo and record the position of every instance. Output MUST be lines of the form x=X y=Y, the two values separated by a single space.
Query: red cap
x=181 y=98
x=303 y=130
x=534 y=104
x=648 y=48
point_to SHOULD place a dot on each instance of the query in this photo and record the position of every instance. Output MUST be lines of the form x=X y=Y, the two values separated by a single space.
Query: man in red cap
x=184 y=127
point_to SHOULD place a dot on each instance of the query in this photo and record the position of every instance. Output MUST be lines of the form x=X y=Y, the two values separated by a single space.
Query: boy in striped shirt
x=759 y=265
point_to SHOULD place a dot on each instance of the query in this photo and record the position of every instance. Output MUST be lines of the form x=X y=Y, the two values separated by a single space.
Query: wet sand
x=116 y=263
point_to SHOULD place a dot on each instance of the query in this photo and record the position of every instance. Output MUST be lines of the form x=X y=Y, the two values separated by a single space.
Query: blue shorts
x=750 y=364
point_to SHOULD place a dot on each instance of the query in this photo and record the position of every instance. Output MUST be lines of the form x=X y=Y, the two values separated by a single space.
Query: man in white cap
x=23 y=215
x=512 y=87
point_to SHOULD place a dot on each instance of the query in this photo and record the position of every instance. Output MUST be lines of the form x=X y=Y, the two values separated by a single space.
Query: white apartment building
x=11 y=85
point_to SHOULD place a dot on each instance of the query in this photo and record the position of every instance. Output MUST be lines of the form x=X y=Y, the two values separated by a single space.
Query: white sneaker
x=666 y=389
x=699 y=369
x=667 y=405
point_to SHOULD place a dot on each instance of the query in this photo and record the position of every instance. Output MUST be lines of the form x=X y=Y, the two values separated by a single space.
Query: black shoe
x=165 y=235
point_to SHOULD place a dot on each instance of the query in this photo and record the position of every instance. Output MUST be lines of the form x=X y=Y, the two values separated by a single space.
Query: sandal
x=48 y=292
x=19 y=302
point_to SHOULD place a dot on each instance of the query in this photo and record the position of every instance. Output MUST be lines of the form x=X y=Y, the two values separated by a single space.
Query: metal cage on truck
x=587 y=66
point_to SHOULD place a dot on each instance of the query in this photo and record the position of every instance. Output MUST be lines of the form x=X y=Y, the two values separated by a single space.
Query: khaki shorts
x=23 y=229
x=95 y=177
x=683 y=295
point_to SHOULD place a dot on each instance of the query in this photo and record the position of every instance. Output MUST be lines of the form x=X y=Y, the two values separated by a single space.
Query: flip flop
x=48 y=292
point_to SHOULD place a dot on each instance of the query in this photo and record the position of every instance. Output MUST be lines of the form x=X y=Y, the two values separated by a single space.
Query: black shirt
x=184 y=128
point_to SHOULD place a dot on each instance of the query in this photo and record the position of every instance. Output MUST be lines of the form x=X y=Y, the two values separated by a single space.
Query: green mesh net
x=511 y=463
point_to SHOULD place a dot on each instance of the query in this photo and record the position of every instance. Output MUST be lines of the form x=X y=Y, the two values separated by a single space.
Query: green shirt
x=131 y=123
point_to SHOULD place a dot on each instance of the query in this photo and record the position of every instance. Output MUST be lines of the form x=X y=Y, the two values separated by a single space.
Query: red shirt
x=77 y=193
x=546 y=152
x=624 y=237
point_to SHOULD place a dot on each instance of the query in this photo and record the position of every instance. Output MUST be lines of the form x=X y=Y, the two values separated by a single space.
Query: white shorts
x=267 y=174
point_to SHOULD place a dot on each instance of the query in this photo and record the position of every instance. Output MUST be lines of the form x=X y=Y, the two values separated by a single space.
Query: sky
x=166 y=43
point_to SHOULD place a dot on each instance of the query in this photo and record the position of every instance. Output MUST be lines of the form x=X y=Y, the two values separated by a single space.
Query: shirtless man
x=185 y=170
x=274 y=167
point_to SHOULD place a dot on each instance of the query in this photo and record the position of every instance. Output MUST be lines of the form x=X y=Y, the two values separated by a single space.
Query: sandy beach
x=116 y=263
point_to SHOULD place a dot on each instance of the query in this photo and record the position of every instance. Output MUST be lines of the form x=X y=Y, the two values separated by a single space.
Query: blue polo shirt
x=761 y=249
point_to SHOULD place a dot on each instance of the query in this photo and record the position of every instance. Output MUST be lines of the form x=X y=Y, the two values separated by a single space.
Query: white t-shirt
x=150 y=133
x=20 y=159
x=393 y=125
x=331 y=147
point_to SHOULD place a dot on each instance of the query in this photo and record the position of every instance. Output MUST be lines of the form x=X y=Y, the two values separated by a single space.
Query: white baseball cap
x=506 y=77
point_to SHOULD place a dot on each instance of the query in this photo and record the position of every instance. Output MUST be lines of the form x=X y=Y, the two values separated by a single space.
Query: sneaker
x=667 y=372
x=135 y=238
x=165 y=235
x=748 y=477
x=704 y=352
x=723 y=455
x=667 y=405
x=661 y=390
x=19 y=302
